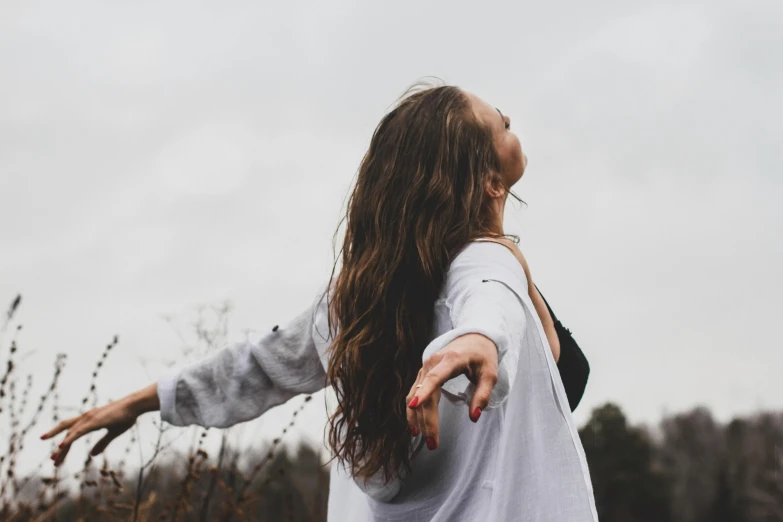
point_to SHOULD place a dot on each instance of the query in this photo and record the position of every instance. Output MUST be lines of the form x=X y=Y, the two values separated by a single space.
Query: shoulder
x=482 y=260
x=484 y=255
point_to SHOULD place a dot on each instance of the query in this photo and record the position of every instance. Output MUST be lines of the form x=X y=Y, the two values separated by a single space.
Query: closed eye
x=506 y=124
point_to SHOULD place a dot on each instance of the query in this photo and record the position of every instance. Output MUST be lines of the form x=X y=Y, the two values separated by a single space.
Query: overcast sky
x=158 y=155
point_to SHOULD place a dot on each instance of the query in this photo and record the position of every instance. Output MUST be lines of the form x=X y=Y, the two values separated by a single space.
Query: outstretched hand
x=472 y=354
x=116 y=417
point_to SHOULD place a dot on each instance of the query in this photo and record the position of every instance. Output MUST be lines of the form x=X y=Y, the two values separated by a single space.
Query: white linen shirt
x=522 y=461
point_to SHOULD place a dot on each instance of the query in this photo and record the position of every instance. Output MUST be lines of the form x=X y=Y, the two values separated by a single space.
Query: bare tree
x=691 y=455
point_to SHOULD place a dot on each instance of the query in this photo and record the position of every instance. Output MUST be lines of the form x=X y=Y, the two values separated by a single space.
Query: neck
x=499 y=206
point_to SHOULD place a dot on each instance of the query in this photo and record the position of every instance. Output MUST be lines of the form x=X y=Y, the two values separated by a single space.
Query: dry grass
x=236 y=484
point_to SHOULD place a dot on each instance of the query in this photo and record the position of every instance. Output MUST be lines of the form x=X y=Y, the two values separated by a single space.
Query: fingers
x=101 y=444
x=486 y=382
x=445 y=366
x=410 y=413
x=79 y=429
x=115 y=417
x=419 y=412
x=60 y=427
x=59 y=455
x=412 y=422
x=427 y=414
x=426 y=398
x=475 y=358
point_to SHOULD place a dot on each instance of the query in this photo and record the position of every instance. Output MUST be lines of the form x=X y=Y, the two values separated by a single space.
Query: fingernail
x=60 y=445
x=414 y=431
x=53 y=455
x=413 y=403
x=476 y=414
x=431 y=443
x=43 y=436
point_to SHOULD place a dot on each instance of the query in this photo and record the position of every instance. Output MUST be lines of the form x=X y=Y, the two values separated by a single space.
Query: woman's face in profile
x=512 y=160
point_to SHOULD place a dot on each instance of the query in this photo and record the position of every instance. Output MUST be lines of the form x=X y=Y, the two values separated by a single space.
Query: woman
x=432 y=302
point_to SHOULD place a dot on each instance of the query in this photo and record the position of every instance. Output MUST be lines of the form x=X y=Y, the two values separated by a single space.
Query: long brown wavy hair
x=419 y=198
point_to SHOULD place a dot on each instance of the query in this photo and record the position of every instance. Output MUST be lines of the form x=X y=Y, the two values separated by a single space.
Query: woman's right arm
x=233 y=385
x=117 y=417
x=243 y=381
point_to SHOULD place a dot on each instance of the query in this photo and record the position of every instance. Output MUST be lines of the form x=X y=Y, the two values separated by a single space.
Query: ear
x=494 y=186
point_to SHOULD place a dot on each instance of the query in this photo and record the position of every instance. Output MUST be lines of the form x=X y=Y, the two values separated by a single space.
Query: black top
x=572 y=364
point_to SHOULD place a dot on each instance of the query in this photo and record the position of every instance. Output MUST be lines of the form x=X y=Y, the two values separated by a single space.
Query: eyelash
x=508 y=125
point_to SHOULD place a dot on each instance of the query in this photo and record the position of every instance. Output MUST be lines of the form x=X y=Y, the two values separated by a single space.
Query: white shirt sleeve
x=244 y=380
x=484 y=298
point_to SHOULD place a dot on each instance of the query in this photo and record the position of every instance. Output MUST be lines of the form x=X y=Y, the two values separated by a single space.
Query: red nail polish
x=430 y=443
x=53 y=455
x=476 y=414
x=413 y=403
x=61 y=445
x=43 y=436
